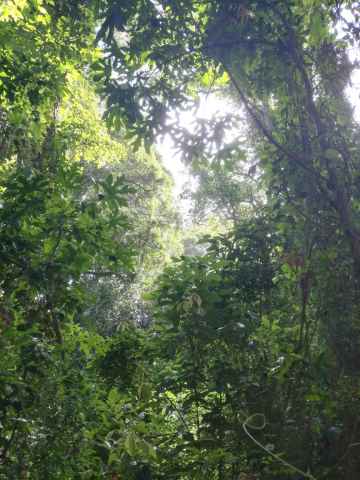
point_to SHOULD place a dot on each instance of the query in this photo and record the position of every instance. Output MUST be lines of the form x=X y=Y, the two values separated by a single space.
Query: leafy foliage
x=240 y=362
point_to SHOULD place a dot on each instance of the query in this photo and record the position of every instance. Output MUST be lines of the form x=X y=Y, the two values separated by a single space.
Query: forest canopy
x=139 y=345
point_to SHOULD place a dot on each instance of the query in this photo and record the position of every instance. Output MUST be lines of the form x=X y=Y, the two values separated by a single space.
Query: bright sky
x=212 y=104
x=354 y=89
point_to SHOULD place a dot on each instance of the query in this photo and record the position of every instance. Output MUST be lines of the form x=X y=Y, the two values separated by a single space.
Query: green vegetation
x=137 y=346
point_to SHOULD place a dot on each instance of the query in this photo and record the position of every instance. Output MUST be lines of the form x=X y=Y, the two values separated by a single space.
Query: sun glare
x=210 y=105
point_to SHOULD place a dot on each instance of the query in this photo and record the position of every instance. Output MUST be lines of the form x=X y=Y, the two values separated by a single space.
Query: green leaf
x=131 y=444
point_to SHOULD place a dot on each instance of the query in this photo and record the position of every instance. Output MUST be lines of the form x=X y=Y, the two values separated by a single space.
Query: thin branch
x=265 y=131
x=181 y=416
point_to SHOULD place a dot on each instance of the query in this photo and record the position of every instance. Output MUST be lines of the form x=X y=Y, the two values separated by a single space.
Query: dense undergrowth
x=122 y=356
